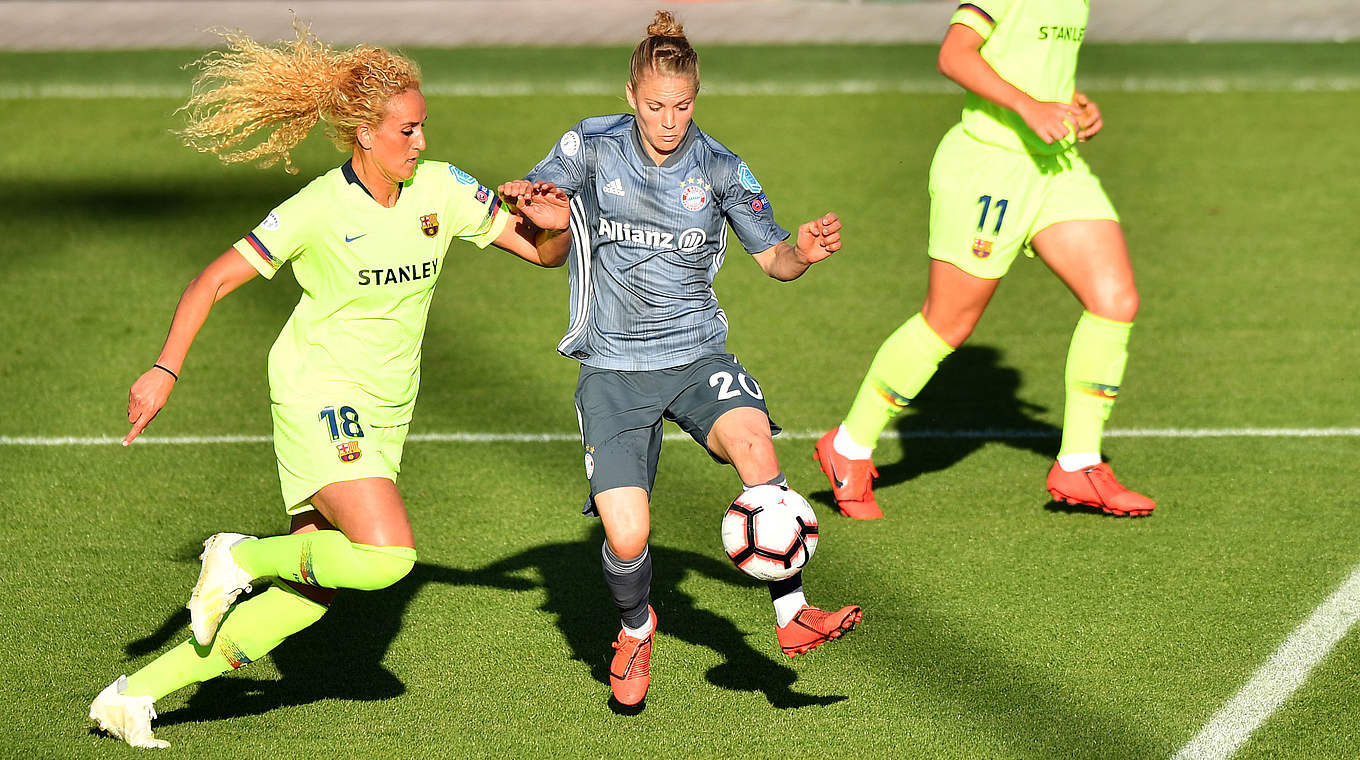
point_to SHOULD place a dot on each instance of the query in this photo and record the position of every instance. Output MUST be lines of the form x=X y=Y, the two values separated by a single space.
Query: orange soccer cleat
x=851 y=480
x=630 y=672
x=811 y=627
x=1097 y=487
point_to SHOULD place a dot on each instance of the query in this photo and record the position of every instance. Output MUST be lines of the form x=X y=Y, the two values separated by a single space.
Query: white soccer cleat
x=124 y=717
x=219 y=583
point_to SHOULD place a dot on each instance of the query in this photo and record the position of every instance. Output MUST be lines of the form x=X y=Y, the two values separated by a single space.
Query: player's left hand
x=819 y=238
x=542 y=203
x=1088 y=117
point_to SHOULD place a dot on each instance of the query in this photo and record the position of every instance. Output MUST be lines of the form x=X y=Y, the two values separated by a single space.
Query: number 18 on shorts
x=322 y=443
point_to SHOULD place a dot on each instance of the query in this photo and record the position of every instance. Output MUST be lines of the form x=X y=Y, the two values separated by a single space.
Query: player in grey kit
x=651 y=198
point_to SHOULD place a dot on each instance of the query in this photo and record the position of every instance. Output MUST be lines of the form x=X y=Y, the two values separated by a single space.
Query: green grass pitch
x=996 y=625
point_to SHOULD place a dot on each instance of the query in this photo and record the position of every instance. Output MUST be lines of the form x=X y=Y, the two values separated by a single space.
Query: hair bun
x=665 y=25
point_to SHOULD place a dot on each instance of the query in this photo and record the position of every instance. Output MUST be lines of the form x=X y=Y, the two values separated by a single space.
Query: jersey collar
x=348 y=170
x=674 y=158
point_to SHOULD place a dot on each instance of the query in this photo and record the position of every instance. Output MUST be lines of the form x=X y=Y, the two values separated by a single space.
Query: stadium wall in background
x=85 y=24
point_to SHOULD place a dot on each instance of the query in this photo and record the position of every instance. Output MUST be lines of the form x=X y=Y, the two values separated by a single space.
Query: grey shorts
x=621 y=413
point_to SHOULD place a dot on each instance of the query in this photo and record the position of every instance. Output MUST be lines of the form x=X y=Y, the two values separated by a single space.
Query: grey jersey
x=647 y=241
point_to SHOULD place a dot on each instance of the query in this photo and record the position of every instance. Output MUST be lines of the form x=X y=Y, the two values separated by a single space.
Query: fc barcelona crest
x=429 y=224
x=982 y=248
x=349 y=451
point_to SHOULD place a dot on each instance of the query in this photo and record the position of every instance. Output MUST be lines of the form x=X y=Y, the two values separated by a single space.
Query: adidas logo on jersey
x=614 y=187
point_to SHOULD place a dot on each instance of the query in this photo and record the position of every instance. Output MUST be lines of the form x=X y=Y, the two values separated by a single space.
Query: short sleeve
x=982 y=16
x=748 y=210
x=282 y=235
x=474 y=209
x=565 y=165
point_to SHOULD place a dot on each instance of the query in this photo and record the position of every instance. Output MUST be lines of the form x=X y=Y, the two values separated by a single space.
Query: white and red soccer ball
x=769 y=532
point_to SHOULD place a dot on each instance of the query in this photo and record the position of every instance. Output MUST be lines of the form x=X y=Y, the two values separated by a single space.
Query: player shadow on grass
x=576 y=595
x=340 y=657
x=971 y=401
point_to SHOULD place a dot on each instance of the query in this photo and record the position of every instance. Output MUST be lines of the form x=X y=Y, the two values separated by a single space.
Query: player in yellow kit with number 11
x=1008 y=178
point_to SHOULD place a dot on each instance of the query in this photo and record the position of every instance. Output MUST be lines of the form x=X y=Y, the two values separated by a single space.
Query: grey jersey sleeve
x=566 y=165
x=747 y=209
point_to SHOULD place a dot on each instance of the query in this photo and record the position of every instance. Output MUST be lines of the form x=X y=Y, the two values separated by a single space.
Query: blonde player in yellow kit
x=1008 y=178
x=367 y=242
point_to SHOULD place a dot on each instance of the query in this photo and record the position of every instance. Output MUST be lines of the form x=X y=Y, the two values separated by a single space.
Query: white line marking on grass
x=1280 y=677
x=934 y=85
x=1234 y=433
x=795 y=435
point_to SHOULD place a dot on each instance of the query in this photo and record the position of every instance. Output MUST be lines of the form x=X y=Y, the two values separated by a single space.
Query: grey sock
x=777 y=480
x=630 y=584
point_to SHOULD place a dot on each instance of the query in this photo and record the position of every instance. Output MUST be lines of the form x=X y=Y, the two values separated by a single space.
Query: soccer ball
x=769 y=532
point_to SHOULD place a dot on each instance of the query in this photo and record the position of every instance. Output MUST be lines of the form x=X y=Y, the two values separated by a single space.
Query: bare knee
x=627 y=520
x=628 y=546
x=954 y=335
x=953 y=328
x=751 y=453
x=955 y=301
x=746 y=445
x=1119 y=304
x=741 y=437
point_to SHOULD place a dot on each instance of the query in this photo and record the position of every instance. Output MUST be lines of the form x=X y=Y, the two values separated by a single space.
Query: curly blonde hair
x=284 y=91
x=665 y=51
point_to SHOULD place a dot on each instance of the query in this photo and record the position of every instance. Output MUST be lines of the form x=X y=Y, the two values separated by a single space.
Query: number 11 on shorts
x=986 y=201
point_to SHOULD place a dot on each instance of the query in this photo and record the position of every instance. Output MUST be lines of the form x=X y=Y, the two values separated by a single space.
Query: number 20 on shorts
x=725 y=385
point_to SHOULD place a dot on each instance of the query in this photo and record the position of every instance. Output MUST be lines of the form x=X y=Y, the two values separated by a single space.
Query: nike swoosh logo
x=349 y=239
x=840 y=482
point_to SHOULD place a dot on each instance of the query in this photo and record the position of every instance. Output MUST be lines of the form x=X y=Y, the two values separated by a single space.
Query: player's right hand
x=145 y=400
x=1050 y=121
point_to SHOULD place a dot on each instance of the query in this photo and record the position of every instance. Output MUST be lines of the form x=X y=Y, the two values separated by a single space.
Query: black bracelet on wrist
x=167 y=370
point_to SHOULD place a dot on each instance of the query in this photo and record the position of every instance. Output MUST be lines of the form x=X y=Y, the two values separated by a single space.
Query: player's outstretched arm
x=961 y=60
x=150 y=391
x=539 y=230
x=817 y=240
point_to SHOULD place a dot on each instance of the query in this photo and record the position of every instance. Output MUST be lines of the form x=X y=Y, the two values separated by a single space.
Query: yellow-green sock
x=1095 y=369
x=248 y=632
x=903 y=365
x=324 y=558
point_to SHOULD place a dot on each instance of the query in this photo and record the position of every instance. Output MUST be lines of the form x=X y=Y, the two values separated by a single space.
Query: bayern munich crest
x=570 y=144
x=429 y=224
x=695 y=194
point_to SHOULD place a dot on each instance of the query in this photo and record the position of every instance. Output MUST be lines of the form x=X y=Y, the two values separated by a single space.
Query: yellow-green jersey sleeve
x=1033 y=45
x=283 y=234
x=474 y=211
x=979 y=19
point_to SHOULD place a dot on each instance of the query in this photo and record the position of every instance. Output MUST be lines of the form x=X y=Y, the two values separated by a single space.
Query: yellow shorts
x=988 y=203
x=324 y=442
